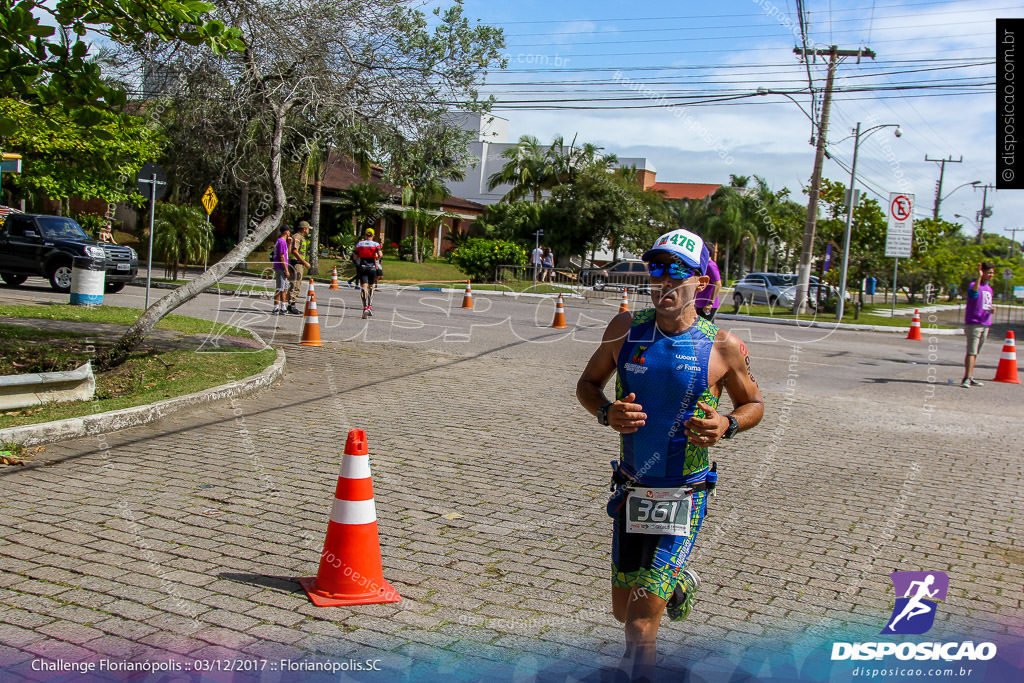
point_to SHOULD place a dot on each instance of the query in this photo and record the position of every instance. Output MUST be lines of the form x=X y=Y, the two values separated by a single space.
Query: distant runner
x=672 y=367
x=366 y=253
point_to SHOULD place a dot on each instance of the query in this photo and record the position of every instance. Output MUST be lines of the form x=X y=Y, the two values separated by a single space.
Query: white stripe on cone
x=1008 y=355
x=355 y=467
x=353 y=511
x=311 y=320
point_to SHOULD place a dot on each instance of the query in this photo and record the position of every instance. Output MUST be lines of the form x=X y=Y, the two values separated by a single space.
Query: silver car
x=774 y=289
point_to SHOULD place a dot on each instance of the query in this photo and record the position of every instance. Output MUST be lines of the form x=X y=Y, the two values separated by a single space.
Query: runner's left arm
x=748 y=405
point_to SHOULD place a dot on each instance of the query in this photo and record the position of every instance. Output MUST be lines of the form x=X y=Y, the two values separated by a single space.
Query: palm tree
x=362 y=201
x=527 y=170
x=315 y=168
x=182 y=233
x=726 y=216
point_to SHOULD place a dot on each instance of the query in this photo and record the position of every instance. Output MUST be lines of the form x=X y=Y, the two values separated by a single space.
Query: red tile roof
x=686 y=190
x=343 y=172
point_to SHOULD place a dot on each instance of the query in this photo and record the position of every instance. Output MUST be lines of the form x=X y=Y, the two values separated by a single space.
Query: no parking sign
x=899 y=238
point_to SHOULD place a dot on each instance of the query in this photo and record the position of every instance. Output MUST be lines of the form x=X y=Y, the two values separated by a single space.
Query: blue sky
x=571 y=50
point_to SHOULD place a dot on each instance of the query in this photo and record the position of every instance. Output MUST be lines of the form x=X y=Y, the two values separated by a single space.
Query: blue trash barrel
x=88 y=280
x=870 y=285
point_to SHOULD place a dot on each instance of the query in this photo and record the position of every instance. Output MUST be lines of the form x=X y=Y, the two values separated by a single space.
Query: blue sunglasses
x=676 y=271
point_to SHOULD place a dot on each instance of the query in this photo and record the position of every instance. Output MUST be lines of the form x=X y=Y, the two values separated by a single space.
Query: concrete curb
x=101 y=423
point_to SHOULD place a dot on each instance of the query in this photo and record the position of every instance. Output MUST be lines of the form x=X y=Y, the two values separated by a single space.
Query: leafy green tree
x=362 y=202
x=71 y=161
x=45 y=46
x=598 y=206
x=309 y=68
x=181 y=235
x=422 y=164
x=514 y=220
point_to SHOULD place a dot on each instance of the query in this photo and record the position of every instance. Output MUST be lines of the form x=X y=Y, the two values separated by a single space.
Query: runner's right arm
x=624 y=416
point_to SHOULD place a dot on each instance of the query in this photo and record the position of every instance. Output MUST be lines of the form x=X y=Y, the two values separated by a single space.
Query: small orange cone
x=915 y=327
x=350 y=571
x=1006 y=371
x=334 y=278
x=310 y=321
x=624 y=304
x=467 y=300
x=559 y=321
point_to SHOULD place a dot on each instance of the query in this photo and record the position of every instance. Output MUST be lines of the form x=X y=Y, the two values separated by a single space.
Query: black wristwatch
x=733 y=427
x=602 y=413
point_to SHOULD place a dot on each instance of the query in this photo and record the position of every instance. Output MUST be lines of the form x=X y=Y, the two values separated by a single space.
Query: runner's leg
x=643 y=616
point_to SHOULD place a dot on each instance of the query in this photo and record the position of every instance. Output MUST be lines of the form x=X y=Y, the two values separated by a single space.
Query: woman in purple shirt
x=707 y=301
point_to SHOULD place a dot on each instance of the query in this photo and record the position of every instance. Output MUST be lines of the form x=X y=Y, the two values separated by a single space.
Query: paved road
x=182 y=539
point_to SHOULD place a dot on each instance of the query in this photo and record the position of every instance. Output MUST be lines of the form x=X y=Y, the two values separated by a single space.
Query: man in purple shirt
x=282 y=272
x=977 y=319
x=707 y=301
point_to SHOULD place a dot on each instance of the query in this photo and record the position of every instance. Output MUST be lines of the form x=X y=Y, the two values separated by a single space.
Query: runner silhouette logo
x=917 y=597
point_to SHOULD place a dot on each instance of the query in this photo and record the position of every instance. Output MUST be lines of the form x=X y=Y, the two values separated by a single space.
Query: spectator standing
x=281 y=270
x=547 y=263
x=298 y=260
x=977 y=319
x=105 y=234
x=535 y=261
x=707 y=301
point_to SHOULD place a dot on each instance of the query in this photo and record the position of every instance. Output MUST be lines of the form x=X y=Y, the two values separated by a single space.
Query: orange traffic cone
x=624 y=304
x=334 y=278
x=559 y=321
x=350 y=566
x=915 y=327
x=467 y=300
x=310 y=321
x=1006 y=371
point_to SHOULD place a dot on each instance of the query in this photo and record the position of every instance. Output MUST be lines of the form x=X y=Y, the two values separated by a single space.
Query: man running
x=366 y=253
x=672 y=367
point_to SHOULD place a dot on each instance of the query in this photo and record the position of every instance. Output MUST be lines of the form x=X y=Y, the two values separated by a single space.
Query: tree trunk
x=725 y=273
x=243 y=215
x=416 y=234
x=314 y=233
x=152 y=315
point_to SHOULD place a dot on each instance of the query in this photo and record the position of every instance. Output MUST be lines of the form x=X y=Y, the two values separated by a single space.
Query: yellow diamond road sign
x=209 y=199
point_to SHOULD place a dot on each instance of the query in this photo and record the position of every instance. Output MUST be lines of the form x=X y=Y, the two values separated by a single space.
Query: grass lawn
x=117 y=315
x=247 y=287
x=147 y=376
x=865 y=318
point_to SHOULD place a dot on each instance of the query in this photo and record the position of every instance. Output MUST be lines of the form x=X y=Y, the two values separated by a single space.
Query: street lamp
x=939 y=200
x=814 y=125
x=857 y=136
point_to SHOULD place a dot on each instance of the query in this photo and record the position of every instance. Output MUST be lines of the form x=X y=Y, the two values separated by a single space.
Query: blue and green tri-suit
x=669 y=375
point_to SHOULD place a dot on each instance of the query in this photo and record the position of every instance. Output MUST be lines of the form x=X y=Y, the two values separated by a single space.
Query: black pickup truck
x=31 y=244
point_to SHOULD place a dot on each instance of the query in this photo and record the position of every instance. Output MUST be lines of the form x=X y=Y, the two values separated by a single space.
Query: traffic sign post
x=209 y=202
x=151 y=181
x=899 y=238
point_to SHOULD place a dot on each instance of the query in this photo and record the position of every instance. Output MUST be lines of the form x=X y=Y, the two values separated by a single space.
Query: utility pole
x=942 y=172
x=984 y=213
x=811 y=223
x=1013 y=239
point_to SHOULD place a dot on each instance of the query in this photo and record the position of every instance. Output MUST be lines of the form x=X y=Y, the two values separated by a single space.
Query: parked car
x=624 y=273
x=777 y=289
x=32 y=244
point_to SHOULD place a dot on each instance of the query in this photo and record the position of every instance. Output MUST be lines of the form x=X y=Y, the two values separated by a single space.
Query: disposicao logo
x=918 y=595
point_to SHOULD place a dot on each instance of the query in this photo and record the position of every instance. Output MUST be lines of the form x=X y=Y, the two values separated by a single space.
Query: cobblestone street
x=183 y=539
